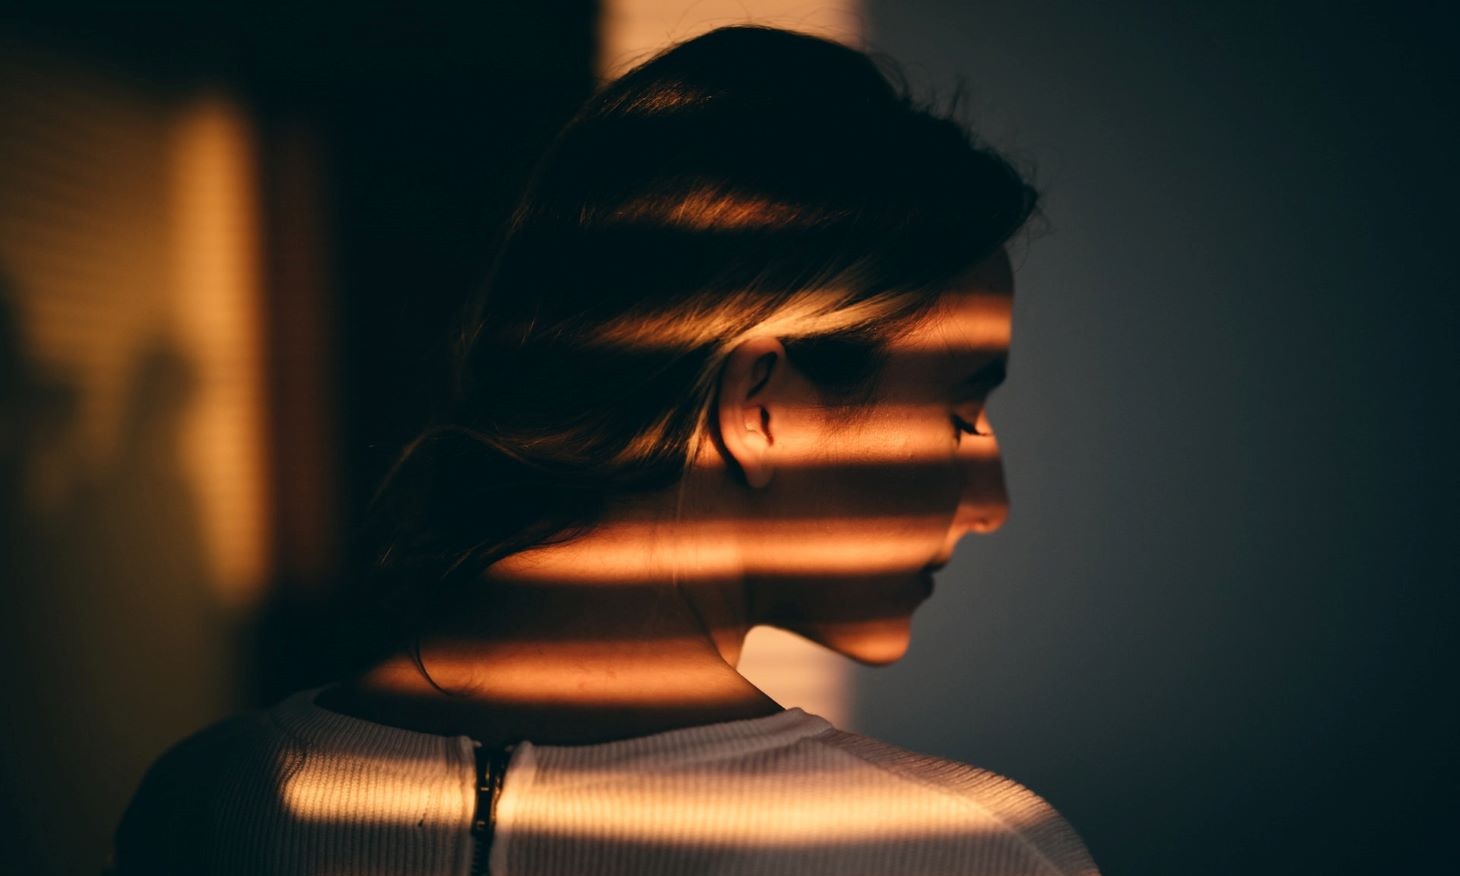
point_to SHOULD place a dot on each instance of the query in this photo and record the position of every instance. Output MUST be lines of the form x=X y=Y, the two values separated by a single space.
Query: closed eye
x=963 y=427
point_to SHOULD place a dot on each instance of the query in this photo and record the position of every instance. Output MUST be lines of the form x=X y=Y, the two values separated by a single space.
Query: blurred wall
x=230 y=246
x=1218 y=629
x=131 y=537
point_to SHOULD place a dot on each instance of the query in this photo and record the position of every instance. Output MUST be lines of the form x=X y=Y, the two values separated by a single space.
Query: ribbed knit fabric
x=299 y=789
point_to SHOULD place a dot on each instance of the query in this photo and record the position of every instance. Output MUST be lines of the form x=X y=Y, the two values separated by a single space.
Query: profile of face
x=848 y=511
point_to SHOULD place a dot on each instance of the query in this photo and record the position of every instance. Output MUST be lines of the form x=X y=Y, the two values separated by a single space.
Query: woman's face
x=865 y=504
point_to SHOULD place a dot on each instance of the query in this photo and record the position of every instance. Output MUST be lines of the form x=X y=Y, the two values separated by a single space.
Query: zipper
x=491 y=771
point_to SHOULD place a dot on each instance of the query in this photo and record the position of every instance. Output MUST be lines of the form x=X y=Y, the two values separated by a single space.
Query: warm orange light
x=983 y=327
x=710 y=549
x=895 y=449
x=526 y=673
x=829 y=811
x=632 y=30
x=215 y=242
x=311 y=792
x=833 y=806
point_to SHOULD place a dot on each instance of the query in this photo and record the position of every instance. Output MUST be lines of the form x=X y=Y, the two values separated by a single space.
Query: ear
x=751 y=389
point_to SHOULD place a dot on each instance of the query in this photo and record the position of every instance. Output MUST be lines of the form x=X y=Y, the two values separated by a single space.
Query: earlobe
x=746 y=418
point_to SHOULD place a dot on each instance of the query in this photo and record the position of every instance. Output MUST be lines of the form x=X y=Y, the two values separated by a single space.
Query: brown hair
x=750 y=179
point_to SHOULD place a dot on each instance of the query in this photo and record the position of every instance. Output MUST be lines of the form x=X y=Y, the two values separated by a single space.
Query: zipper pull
x=491 y=773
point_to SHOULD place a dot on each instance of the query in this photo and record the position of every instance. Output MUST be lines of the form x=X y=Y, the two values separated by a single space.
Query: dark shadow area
x=111 y=634
x=426 y=127
x=136 y=627
x=36 y=411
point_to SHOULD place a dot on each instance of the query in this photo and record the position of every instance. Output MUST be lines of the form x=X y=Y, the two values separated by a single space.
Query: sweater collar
x=302 y=717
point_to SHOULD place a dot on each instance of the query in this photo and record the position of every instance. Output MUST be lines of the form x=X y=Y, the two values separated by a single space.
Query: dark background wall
x=1218 y=630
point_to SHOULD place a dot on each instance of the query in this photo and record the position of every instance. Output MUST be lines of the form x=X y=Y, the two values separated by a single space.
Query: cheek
x=898 y=466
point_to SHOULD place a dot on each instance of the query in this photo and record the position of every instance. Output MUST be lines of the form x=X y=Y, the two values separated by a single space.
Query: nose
x=983 y=505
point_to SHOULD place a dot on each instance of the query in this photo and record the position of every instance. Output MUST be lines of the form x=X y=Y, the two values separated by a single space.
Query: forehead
x=970 y=321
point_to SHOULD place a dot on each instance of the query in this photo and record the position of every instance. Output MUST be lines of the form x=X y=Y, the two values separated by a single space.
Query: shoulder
x=171 y=822
x=787 y=795
x=990 y=814
x=295 y=789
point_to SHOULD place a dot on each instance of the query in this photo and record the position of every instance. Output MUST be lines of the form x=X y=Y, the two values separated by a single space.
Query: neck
x=538 y=655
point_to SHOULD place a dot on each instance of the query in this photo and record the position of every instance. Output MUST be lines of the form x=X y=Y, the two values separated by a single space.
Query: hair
x=748 y=181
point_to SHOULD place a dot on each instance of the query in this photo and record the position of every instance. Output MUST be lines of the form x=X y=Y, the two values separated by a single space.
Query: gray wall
x=1218 y=629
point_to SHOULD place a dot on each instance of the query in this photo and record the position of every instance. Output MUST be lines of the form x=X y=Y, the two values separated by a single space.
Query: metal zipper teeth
x=491 y=772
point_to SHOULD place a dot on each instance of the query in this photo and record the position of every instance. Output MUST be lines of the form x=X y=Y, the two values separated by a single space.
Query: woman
x=730 y=369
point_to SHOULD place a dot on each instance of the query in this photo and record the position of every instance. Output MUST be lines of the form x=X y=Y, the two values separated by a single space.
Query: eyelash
x=962 y=427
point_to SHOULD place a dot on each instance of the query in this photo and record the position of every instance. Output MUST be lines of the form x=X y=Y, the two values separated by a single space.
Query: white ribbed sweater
x=298 y=789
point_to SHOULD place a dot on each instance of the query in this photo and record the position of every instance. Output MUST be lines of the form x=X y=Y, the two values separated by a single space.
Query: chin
x=871 y=644
x=867 y=619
